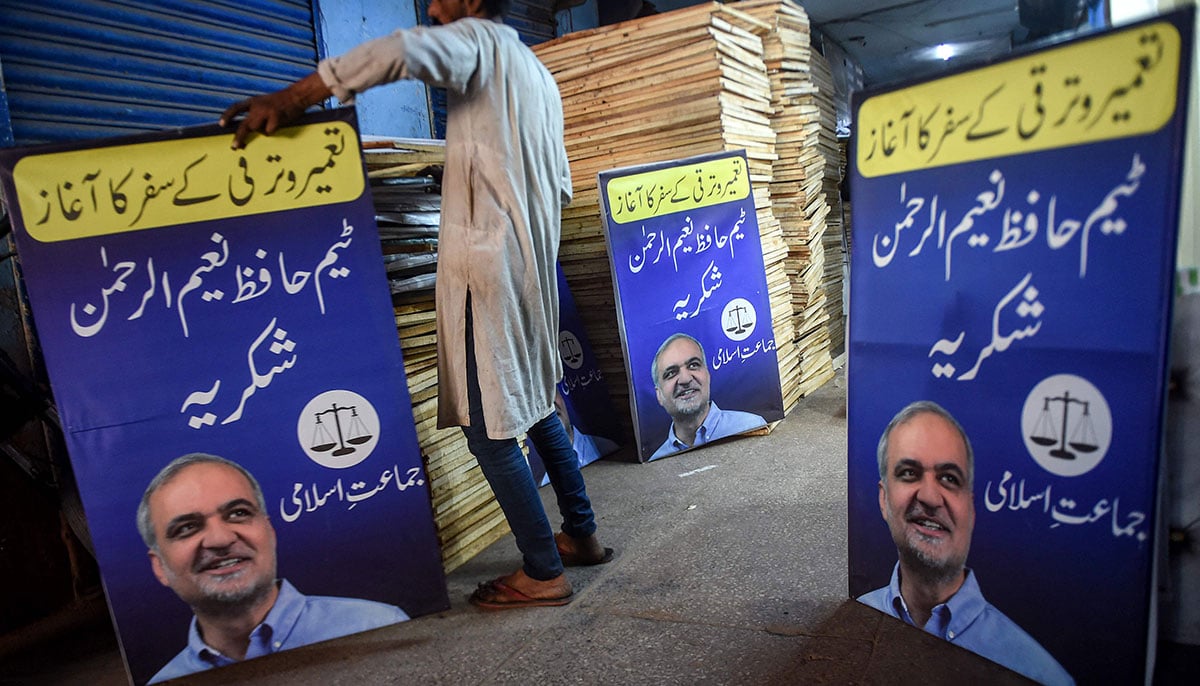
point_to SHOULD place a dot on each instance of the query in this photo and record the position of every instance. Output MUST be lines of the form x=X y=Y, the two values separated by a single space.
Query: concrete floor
x=730 y=569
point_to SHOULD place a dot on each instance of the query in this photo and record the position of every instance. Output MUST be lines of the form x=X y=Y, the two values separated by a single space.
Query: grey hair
x=909 y=412
x=671 y=339
x=146 y=527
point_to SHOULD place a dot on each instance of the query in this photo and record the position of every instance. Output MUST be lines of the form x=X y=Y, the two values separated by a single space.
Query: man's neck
x=230 y=634
x=921 y=593
x=476 y=9
x=687 y=427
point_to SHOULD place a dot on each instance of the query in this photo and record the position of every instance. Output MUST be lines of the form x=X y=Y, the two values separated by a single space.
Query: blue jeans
x=508 y=474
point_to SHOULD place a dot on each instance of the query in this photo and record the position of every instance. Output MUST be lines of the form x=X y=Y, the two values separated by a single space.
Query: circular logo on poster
x=738 y=319
x=1066 y=424
x=570 y=349
x=338 y=429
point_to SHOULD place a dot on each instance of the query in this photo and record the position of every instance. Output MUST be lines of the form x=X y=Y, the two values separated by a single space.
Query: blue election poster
x=692 y=301
x=582 y=401
x=1013 y=250
x=195 y=301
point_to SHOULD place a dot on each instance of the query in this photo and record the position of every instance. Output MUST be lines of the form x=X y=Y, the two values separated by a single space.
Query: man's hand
x=266 y=113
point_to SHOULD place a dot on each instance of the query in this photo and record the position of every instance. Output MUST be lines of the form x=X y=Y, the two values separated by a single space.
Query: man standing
x=926 y=474
x=204 y=520
x=505 y=181
x=681 y=384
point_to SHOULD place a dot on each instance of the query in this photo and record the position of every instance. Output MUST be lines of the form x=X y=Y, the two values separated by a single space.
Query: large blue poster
x=1014 y=235
x=190 y=298
x=691 y=292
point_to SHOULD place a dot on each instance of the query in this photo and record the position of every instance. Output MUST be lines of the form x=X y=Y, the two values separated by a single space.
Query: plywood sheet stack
x=847 y=232
x=662 y=87
x=835 y=165
x=837 y=249
x=798 y=178
x=408 y=207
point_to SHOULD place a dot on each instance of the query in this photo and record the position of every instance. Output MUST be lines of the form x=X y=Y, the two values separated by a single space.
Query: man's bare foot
x=579 y=552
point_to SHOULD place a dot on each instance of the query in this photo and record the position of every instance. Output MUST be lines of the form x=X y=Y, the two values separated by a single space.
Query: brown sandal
x=497 y=595
x=577 y=559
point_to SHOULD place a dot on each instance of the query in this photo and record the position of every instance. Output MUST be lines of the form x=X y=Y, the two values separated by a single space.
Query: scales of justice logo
x=338 y=429
x=738 y=319
x=1067 y=425
x=570 y=349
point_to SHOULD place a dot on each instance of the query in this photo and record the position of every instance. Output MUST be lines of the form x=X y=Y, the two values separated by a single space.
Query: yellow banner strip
x=101 y=191
x=1112 y=87
x=677 y=189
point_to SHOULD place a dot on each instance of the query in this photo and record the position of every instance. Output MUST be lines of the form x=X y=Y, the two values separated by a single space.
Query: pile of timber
x=837 y=248
x=802 y=127
x=835 y=165
x=659 y=88
x=404 y=177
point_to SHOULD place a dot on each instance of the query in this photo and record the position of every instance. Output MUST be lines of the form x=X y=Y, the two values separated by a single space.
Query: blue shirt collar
x=265 y=637
x=705 y=430
x=950 y=618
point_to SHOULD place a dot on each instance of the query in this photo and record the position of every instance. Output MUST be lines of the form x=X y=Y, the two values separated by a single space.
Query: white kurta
x=505 y=182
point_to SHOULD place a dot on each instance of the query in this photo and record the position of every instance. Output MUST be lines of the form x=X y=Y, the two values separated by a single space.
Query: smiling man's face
x=682 y=383
x=214 y=546
x=925 y=496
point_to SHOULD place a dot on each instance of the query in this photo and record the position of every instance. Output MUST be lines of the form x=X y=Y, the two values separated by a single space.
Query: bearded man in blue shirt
x=204 y=520
x=926 y=474
x=682 y=386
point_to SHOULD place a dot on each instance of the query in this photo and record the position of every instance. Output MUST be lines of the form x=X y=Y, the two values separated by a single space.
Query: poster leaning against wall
x=692 y=300
x=1014 y=243
x=191 y=301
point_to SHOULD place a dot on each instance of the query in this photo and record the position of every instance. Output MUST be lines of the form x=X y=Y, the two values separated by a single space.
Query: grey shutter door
x=77 y=69
x=533 y=19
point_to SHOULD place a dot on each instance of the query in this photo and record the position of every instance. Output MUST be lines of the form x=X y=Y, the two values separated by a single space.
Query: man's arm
x=267 y=113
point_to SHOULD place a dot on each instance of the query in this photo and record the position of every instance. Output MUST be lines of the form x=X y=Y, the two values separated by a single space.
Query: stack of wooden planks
x=797 y=183
x=660 y=88
x=407 y=208
x=835 y=165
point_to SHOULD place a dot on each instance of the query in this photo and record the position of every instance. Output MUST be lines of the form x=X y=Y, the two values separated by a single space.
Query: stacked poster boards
x=190 y=298
x=692 y=302
x=1015 y=231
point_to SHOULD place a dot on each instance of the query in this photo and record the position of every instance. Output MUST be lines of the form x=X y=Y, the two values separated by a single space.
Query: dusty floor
x=730 y=569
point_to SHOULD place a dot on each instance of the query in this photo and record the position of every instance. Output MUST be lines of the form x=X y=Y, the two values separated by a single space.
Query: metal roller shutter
x=76 y=69
x=533 y=19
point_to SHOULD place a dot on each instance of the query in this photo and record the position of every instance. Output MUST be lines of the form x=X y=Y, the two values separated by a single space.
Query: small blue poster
x=1012 y=262
x=692 y=301
x=219 y=334
x=582 y=401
